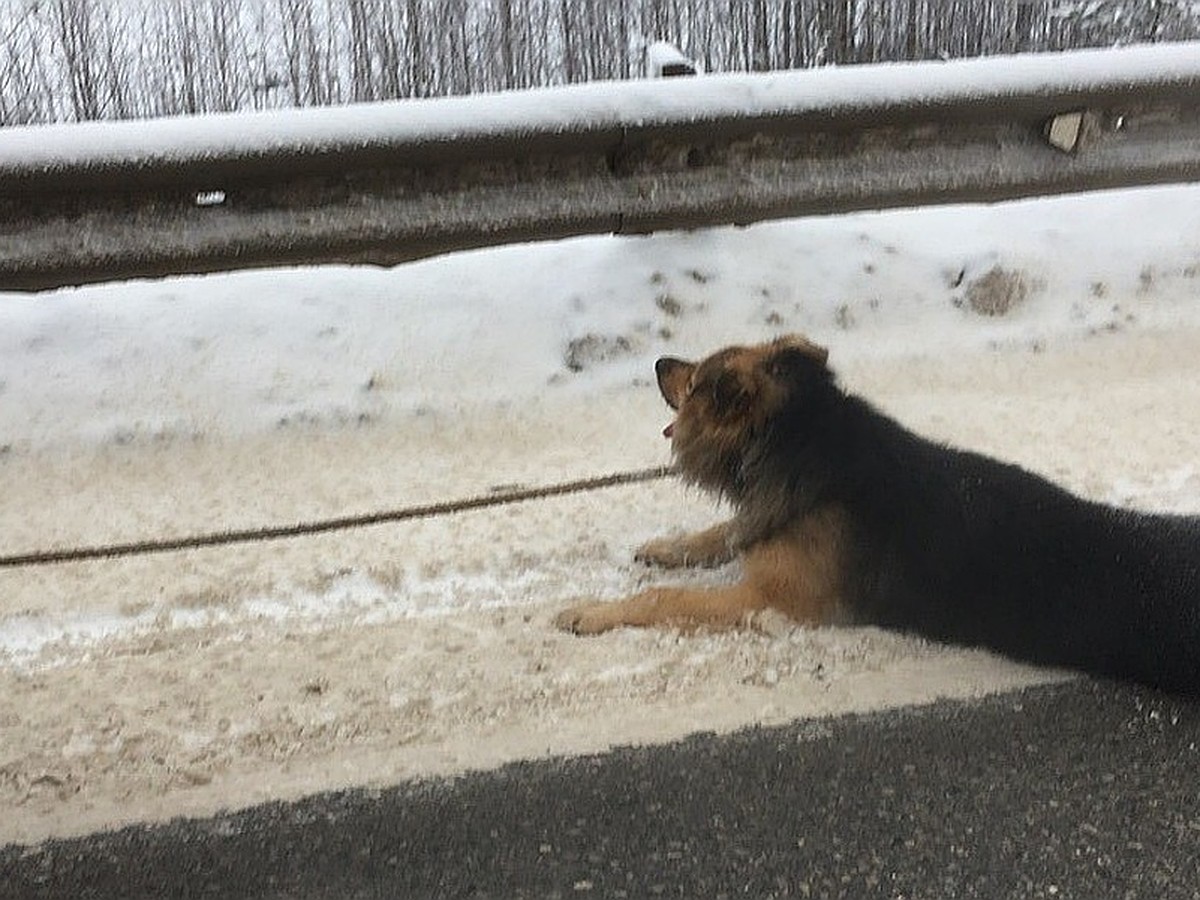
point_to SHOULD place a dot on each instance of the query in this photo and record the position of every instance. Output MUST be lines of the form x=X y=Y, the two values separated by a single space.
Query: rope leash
x=322 y=526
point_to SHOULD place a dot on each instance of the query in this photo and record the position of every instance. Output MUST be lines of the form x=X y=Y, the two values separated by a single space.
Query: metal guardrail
x=400 y=181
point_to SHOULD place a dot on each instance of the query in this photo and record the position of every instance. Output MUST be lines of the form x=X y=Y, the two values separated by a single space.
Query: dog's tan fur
x=797 y=573
x=795 y=569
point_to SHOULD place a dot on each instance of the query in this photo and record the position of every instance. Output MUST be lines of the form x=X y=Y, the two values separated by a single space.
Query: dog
x=841 y=515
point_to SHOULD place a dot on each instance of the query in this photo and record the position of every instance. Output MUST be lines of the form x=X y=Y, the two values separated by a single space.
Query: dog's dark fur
x=843 y=515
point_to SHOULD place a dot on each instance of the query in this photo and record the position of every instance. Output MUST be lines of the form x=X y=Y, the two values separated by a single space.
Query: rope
x=321 y=526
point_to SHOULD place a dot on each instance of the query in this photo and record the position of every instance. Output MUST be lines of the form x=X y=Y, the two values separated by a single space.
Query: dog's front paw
x=711 y=547
x=668 y=552
x=588 y=618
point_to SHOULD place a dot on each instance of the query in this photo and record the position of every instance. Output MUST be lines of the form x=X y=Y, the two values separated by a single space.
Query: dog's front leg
x=679 y=607
x=712 y=547
x=798 y=572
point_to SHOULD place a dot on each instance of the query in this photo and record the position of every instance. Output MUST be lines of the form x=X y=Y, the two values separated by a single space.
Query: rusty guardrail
x=392 y=182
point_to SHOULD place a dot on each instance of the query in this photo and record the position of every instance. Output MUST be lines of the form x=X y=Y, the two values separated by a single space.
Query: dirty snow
x=1063 y=334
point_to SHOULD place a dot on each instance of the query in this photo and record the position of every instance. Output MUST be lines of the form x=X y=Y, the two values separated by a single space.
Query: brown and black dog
x=841 y=515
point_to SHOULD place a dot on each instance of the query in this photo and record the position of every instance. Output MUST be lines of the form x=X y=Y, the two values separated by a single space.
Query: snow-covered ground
x=1063 y=334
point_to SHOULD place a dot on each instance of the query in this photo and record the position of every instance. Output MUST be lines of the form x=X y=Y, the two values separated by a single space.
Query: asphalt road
x=1075 y=790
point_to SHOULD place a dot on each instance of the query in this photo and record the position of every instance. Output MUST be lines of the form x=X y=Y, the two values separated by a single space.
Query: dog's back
x=961 y=547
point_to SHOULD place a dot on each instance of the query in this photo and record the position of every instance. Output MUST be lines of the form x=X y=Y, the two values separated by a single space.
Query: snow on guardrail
x=389 y=182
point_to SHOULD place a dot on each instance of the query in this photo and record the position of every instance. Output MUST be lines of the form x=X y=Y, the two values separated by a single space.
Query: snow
x=254 y=352
x=662 y=54
x=183 y=683
x=596 y=106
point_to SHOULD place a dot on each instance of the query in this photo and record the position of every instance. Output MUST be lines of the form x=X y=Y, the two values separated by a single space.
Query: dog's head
x=727 y=401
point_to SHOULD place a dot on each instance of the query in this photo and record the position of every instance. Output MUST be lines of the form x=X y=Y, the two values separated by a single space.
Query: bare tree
x=87 y=59
x=362 y=67
x=72 y=22
x=301 y=53
x=420 y=82
x=26 y=94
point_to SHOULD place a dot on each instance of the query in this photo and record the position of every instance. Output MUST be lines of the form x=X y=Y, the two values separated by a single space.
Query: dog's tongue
x=669 y=430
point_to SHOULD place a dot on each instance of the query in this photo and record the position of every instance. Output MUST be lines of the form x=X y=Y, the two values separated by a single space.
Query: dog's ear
x=794 y=360
x=729 y=394
x=673 y=377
